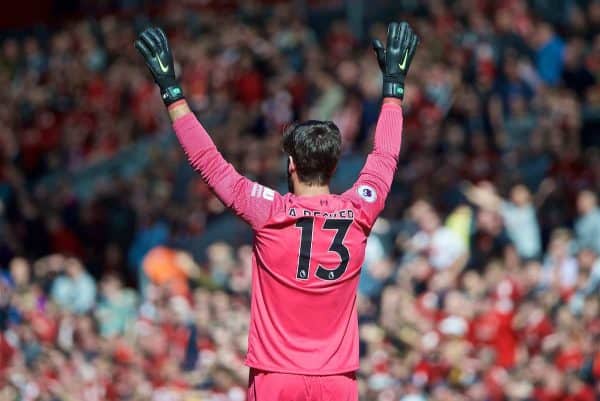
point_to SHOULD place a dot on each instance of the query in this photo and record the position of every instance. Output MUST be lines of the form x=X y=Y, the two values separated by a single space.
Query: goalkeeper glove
x=153 y=46
x=395 y=58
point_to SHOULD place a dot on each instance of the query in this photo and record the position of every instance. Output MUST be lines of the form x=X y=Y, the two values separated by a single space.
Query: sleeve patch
x=259 y=191
x=367 y=193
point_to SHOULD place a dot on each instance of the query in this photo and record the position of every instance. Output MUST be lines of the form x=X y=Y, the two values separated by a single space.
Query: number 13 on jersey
x=306 y=225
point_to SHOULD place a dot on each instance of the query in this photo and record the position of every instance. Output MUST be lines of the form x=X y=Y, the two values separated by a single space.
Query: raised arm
x=375 y=179
x=248 y=199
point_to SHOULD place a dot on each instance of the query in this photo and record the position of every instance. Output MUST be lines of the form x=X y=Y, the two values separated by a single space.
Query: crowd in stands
x=481 y=279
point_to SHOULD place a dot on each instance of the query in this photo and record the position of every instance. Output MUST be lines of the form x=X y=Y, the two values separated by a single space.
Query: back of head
x=315 y=148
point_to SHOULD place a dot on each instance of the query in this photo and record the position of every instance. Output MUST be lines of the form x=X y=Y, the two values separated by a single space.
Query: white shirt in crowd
x=443 y=247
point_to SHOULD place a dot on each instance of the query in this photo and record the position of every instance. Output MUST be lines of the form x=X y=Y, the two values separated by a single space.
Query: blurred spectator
x=549 y=53
x=441 y=245
x=518 y=214
x=377 y=268
x=560 y=268
x=587 y=225
x=117 y=307
x=75 y=289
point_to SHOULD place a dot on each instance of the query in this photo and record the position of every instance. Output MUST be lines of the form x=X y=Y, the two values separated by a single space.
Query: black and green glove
x=153 y=46
x=395 y=58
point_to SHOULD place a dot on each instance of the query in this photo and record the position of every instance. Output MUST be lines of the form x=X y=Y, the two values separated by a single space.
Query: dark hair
x=315 y=147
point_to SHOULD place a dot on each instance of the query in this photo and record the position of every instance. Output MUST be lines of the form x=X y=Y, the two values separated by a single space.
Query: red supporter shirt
x=307 y=253
x=494 y=328
x=6 y=354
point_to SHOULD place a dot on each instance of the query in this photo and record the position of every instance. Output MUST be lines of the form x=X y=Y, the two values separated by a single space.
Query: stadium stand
x=123 y=278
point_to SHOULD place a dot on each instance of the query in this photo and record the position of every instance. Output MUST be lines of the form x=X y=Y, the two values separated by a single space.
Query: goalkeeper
x=309 y=244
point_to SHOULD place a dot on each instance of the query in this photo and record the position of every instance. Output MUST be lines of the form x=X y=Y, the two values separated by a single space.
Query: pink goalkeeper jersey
x=308 y=253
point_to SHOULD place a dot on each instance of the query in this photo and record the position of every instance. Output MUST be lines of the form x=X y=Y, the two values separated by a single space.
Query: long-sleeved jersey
x=307 y=253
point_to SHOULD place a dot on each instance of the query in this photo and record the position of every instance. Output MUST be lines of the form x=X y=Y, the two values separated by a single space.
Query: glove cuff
x=393 y=89
x=171 y=94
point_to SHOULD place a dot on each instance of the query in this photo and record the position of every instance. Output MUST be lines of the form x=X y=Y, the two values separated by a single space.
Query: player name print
x=342 y=214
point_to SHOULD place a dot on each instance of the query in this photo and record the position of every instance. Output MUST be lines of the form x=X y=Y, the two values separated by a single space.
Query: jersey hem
x=302 y=372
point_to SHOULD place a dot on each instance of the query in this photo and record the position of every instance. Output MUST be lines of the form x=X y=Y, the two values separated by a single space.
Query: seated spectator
x=588 y=280
x=489 y=240
x=549 y=53
x=560 y=269
x=377 y=268
x=443 y=247
x=116 y=309
x=170 y=268
x=587 y=225
x=75 y=289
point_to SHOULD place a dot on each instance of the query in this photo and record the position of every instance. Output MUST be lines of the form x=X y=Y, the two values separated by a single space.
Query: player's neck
x=301 y=189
